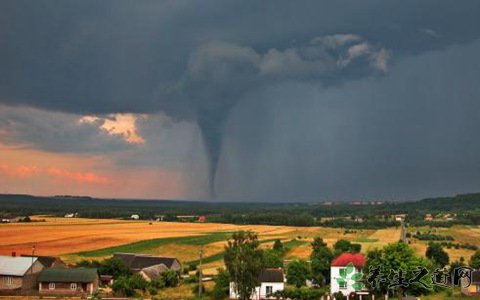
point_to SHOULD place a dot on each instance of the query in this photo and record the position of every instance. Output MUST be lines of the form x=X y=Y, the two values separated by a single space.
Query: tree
x=321 y=258
x=346 y=246
x=437 y=255
x=170 y=277
x=390 y=260
x=222 y=283
x=355 y=248
x=88 y=264
x=122 y=285
x=114 y=267
x=342 y=246
x=243 y=259
x=475 y=260
x=456 y=264
x=272 y=259
x=278 y=246
x=137 y=282
x=298 y=272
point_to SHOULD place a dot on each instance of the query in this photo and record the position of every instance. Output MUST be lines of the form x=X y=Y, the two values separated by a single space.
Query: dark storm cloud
x=195 y=60
x=56 y=132
x=409 y=134
x=113 y=56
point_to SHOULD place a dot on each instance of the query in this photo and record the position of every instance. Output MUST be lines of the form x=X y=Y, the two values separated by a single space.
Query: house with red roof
x=343 y=270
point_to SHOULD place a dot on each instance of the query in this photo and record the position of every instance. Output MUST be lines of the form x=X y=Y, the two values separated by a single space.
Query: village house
x=106 y=280
x=428 y=217
x=400 y=217
x=153 y=272
x=18 y=275
x=48 y=261
x=474 y=288
x=271 y=281
x=68 y=282
x=148 y=266
x=189 y=218
x=338 y=270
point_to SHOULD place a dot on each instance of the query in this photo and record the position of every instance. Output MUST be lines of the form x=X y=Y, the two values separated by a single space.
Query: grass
x=294 y=243
x=219 y=256
x=366 y=240
x=209 y=259
x=147 y=245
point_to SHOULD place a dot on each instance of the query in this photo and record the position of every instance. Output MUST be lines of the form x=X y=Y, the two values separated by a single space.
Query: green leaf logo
x=354 y=276
x=341 y=281
x=357 y=286
x=350 y=268
x=357 y=276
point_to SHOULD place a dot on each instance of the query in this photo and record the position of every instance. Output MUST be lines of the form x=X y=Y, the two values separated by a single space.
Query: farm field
x=461 y=234
x=77 y=239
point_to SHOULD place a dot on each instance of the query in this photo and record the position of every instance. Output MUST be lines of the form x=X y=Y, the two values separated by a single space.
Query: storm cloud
x=200 y=61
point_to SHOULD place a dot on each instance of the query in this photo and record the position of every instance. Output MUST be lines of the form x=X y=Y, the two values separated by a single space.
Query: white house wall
x=261 y=291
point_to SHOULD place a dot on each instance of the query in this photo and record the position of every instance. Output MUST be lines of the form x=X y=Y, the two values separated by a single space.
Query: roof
x=476 y=277
x=15 y=265
x=141 y=261
x=83 y=275
x=47 y=261
x=356 y=259
x=154 y=272
x=271 y=275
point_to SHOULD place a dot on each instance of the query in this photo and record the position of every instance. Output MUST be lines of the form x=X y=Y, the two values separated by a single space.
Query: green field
x=147 y=245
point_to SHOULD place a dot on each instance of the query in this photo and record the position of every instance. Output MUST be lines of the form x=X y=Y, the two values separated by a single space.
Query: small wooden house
x=71 y=282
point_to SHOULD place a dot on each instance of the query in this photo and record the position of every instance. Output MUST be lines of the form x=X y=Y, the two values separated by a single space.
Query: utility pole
x=33 y=254
x=200 y=272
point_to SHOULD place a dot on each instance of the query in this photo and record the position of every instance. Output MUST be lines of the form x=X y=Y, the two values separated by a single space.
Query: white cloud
x=380 y=60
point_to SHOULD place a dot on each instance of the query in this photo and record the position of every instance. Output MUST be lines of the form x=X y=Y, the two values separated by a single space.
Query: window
x=269 y=289
x=73 y=286
x=51 y=286
x=8 y=280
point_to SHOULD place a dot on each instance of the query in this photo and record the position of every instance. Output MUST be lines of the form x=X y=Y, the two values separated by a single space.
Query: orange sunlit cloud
x=18 y=171
x=119 y=124
x=45 y=173
x=80 y=177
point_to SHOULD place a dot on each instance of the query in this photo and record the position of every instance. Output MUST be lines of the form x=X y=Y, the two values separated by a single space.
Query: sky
x=240 y=100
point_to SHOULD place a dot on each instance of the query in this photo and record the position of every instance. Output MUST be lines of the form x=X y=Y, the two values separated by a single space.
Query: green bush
x=170 y=277
x=138 y=283
x=152 y=291
x=300 y=294
x=122 y=285
x=158 y=283
x=222 y=284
